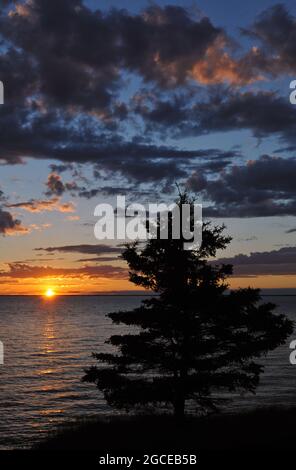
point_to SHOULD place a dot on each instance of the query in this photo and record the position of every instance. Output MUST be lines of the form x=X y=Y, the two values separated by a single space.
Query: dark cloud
x=275 y=28
x=48 y=57
x=61 y=168
x=68 y=62
x=145 y=170
x=99 y=249
x=285 y=255
x=100 y=259
x=166 y=170
x=289 y=149
x=166 y=165
x=259 y=188
x=66 y=66
x=160 y=113
x=56 y=186
x=264 y=113
x=52 y=136
x=89 y=193
x=248 y=239
x=134 y=191
x=166 y=45
x=18 y=73
x=9 y=225
x=197 y=182
x=276 y=262
x=57 y=34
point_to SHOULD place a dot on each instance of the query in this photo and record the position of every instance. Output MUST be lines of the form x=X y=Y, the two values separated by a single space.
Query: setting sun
x=49 y=293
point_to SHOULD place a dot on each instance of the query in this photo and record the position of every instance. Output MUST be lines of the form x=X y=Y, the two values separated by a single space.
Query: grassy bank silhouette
x=255 y=430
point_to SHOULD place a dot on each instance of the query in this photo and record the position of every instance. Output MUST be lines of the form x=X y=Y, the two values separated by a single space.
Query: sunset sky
x=106 y=98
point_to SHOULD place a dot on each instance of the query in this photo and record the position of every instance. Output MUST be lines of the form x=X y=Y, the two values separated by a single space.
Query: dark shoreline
x=257 y=430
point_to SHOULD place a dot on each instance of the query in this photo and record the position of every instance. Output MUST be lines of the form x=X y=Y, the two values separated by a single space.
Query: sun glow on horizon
x=49 y=293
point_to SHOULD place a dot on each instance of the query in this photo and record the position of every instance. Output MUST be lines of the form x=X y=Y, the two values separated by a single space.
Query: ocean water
x=48 y=344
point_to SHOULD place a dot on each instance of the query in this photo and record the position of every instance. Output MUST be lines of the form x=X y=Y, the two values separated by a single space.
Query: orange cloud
x=17 y=230
x=218 y=66
x=20 y=10
x=40 y=227
x=27 y=271
x=73 y=217
x=36 y=205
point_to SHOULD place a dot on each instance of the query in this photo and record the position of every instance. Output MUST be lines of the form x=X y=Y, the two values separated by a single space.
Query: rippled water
x=48 y=344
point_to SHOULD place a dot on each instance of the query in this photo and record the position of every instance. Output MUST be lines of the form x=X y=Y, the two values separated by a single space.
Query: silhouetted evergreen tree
x=194 y=338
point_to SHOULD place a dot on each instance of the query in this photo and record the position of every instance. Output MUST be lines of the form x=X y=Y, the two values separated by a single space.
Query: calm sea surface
x=48 y=344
